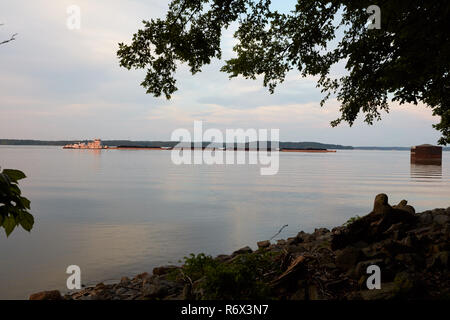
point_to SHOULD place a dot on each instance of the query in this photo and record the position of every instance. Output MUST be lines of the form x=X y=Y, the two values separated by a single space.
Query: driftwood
x=295 y=267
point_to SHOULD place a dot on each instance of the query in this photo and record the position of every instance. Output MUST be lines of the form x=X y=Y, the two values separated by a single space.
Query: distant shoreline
x=159 y=144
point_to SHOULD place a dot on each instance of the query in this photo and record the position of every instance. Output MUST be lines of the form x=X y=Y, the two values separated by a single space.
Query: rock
x=164 y=270
x=438 y=211
x=124 y=280
x=281 y=242
x=347 y=258
x=121 y=291
x=440 y=260
x=223 y=257
x=299 y=295
x=441 y=219
x=403 y=206
x=46 y=295
x=355 y=295
x=336 y=285
x=410 y=260
x=360 y=244
x=243 y=250
x=320 y=232
x=361 y=268
x=263 y=244
x=155 y=289
x=386 y=292
x=302 y=237
x=142 y=276
x=313 y=293
x=425 y=218
x=371 y=227
x=381 y=205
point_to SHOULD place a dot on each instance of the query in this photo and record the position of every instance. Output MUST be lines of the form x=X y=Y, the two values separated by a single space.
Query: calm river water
x=118 y=213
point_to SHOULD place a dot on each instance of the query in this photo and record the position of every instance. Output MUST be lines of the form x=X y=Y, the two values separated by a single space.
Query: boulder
x=157 y=288
x=381 y=205
x=425 y=217
x=403 y=205
x=142 y=276
x=320 y=232
x=440 y=260
x=371 y=227
x=46 y=295
x=124 y=280
x=361 y=268
x=223 y=257
x=243 y=250
x=163 y=270
x=347 y=258
x=263 y=244
x=441 y=219
x=387 y=291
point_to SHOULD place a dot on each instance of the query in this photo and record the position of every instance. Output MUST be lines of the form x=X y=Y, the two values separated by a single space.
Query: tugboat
x=96 y=144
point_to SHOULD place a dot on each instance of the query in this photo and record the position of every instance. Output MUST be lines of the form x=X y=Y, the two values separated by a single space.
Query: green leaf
x=9 y=224
x=25 y=202
x=14 y=175
x=26 y=220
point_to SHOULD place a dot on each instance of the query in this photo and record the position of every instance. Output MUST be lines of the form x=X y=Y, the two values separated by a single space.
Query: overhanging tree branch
x=13 y=37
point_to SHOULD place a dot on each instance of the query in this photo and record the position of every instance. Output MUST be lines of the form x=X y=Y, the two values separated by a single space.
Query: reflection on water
x=425 y=172
x=119 y=213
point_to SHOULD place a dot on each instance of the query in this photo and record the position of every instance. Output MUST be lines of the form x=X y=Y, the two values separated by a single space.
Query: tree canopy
x=406 y=60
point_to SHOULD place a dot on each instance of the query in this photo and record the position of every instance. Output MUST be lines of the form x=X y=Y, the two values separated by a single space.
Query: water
x=118 y=213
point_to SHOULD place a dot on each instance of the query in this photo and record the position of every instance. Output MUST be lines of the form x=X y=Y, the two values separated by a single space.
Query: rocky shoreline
x=411 y=249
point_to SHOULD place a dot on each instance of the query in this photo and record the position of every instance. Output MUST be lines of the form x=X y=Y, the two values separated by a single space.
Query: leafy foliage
x=13 y=207
x=407 y=60
x=241 y=278
x=351 y=220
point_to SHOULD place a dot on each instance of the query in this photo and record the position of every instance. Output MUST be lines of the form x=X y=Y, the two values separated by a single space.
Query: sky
x=58 y=84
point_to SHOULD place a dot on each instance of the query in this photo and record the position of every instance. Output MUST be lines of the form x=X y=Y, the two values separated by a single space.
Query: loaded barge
x=97 y=144
x=220 y=149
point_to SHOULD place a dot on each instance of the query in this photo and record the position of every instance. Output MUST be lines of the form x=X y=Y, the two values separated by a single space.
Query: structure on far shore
x=426 y=154
x=96 y=144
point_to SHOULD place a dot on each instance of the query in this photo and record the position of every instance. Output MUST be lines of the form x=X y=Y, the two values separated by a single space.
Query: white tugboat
x=96 y=144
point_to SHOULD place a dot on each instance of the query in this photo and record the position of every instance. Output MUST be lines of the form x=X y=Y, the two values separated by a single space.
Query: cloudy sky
x=57 y=83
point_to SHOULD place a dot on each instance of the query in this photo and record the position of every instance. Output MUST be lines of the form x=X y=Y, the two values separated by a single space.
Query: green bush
x=13 y=207
x=196 y=266
x=241 y=278
x=352 y=220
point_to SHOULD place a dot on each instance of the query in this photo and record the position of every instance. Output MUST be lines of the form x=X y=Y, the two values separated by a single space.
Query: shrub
x=13 y=207
x=241 y=278
x=352 y=220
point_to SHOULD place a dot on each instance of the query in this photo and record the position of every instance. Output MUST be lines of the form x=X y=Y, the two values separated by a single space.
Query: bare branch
x=13 y=37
